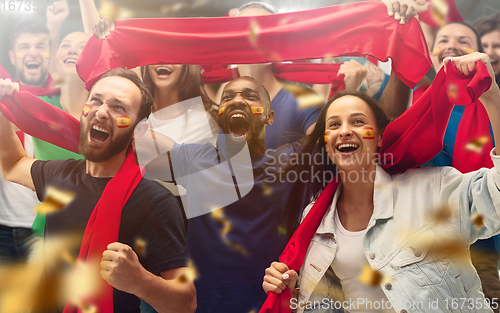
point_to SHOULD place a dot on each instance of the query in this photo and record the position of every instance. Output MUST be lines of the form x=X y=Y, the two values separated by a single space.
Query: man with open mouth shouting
x=114 y=207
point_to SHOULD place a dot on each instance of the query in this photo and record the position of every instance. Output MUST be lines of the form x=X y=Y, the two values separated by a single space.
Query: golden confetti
x=476 y=145
x=218 y=215
x=267 y=190
x=68 y=257
x=441 y=215
x=306 y=97
x=189 y=275
x=371 y=277
x=478 y=220
x=254 y=32
x=140 y=246
x=452 y=92
x=282 y=230
x=55 y=200
x=439 y=11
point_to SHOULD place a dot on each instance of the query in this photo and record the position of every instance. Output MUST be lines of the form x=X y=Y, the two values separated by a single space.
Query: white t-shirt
x=348 y=265
x=17 y=204
x=185 y=122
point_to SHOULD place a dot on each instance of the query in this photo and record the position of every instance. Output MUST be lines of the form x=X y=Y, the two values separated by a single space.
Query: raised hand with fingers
x=278 y=277
x=103 y=28
x=404 y=10
x=354 y=73
x=7 y=87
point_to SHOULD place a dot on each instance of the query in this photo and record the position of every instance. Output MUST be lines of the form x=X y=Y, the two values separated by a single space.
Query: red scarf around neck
x=412 y=140
x=356 y=29
x=104 y=225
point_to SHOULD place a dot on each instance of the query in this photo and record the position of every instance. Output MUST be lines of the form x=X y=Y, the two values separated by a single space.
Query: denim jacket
x=418 y=238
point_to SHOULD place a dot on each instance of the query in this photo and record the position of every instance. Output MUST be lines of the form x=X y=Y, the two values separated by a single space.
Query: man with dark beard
x=149 y=212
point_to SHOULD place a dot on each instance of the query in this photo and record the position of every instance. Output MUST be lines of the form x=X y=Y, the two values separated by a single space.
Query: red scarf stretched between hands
x=37 y=91
x=412 y=139
x=41 y=120
x=104 y=224
x=355 y=29
x=306 y=73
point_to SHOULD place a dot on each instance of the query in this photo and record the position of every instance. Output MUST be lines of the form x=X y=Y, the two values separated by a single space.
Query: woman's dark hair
x=189 y=85
x=307 y=160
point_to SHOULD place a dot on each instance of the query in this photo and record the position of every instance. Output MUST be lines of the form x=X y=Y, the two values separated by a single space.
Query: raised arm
x=90 y=15
x=14 y=164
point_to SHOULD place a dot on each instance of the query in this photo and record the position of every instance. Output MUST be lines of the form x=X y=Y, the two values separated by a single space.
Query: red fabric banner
x=355 y=29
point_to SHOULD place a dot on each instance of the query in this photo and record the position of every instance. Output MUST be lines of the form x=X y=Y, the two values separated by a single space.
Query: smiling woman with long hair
x=390 y=242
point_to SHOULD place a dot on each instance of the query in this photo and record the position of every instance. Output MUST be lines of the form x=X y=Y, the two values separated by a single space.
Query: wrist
x=491 y=96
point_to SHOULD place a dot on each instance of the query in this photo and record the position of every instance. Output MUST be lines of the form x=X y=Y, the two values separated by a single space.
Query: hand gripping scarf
x=412 y=139
x=356 y=29
x=103 y=227
x=37 y=91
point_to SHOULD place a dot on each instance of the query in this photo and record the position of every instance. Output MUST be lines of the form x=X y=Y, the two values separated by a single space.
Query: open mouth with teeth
x=347 y=147
x=70 y=61
x=98 y=134
x=238 y=124
x=163 y=71
x=32 y=65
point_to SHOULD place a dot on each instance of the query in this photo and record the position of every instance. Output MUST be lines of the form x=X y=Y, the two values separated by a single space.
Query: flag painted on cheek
x=327 y=136
x=221 y=111
x=367 y=132
x=123 y=121
x=257 y=109
x=46 y=54
x=86 y=109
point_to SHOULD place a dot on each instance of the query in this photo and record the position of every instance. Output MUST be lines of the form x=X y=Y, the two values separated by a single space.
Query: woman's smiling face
x=351 y=134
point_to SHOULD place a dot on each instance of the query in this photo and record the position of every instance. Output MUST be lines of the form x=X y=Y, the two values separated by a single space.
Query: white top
x=348 y=265
x=17 y=204
x=185 y=122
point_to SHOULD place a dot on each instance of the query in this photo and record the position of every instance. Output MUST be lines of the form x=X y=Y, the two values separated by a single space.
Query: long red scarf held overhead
x=41 y=120
x=301 y=72
x=355 y=29
x=411 y=140
x=103 y=228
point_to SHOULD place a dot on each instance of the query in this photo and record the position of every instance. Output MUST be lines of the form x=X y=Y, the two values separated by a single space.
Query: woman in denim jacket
x=394 y=243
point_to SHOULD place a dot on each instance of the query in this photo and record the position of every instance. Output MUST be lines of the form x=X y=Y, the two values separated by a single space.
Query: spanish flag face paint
x=436 y=51
x=257 y=109
x=19 y=55
x=221 y=109
x=327 y=136
x=467 y=50
x=123 y=121
x=86 y=109
x=46 y=54
x=368 y=132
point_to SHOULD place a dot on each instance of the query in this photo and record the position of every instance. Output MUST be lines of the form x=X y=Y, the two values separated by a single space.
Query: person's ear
x=140 y=129
x=379 y=141
x=12 y=57
x=270 y=118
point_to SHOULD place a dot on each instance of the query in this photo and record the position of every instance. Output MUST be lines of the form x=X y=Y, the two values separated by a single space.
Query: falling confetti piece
x=439 y=11
x=306 y=97
x=441 y=215
x=476 y=145
x=282 y=230
x=367 y=132
x=452 y=92
x=267 y=189
x=189 y=275
x=478 y=220
x=68 y=257
x=371 y=277
x=254 y=31
x=140 y=246
x=218 y=216
x=55 y=200
x=55 y=127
